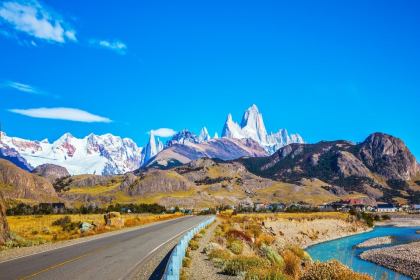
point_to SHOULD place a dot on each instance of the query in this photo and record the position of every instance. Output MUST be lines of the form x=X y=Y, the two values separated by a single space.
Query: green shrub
x=241 y=264
x=66 y=224
x=219 y=254
x=236 y=246
x=386 y=217
x=272 y=256
x=265 y=274
x=62 y=221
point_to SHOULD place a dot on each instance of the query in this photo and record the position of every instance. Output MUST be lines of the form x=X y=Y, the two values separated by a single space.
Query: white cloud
x=116 y=45
x=68 y=114
x=21 y=87
x=164 y=132
x=30 y=17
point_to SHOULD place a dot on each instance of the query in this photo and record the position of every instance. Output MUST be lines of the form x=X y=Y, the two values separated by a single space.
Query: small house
x=386 y=207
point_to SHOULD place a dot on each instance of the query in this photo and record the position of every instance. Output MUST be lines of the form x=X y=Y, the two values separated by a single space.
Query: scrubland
x=38 y=229
x=258 y=246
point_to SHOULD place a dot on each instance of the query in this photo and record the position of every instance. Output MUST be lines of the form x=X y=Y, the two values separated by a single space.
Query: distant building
x=387 y=207
x=415 y=208
x=258 y=207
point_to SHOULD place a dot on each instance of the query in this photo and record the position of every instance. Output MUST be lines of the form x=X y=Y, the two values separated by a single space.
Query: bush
x=292 y=264
x=66 y=224
x=237 y=234
x=194 y=245
x=272 y=256
x=265 y=274
x=265 y=239
x=219 y=254
x=186 y=262
x=62 y=221
x=299 y=252
x=386 y=217
x=236 y=247
x=332 y=270
x=241 y=264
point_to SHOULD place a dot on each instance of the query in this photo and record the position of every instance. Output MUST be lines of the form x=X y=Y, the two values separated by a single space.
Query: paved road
x=112 y=257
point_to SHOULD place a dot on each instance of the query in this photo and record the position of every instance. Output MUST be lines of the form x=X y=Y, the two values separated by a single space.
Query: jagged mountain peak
x=252 y=126
x=184 y=137
x=204 y=135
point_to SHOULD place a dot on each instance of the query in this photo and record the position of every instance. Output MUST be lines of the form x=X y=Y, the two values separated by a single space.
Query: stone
x=114 y=219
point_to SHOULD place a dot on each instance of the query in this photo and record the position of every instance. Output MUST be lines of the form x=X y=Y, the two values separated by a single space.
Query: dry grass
x=284 y=192
x=247 y=246
x=96 y=190
x=39 y=227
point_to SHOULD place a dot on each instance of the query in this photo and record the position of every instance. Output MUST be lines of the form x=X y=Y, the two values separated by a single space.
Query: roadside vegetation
x=30 y=230
x=244 y=246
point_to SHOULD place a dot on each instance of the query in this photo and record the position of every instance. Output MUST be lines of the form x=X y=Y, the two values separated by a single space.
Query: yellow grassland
x=39 y=227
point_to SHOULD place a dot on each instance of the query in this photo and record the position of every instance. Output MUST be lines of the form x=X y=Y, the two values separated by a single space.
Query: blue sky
x=325 y=69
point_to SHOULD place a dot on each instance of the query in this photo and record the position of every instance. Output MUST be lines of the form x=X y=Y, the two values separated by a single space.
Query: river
x=344 y=250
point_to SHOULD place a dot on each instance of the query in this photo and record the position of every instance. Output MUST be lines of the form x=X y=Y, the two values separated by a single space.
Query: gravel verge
x=201 y=267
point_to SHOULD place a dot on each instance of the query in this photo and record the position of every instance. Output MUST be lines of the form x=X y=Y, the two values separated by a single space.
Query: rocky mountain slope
x=18 y=184
x=200 y=183
x=223 y=148
x=4 y=228
x=379 y=167
x=13 y=156
x=51 y=172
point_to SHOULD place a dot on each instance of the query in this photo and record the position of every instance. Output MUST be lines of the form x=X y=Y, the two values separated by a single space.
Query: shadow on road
x=160 y=269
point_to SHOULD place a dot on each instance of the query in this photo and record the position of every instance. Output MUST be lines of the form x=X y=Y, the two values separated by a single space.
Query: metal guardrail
x=173 y=268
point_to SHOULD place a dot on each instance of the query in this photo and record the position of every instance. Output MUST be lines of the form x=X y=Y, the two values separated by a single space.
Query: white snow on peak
x=106 y=154
x=252 y=126
x=151 y=149
x=204 y=135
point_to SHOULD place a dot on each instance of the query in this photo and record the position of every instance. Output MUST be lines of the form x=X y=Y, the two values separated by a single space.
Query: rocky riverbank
x=401 y=220
x=384 y=240
x=402 y=258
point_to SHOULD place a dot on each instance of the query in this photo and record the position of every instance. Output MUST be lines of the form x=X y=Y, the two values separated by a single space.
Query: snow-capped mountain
x=184 y=137
x=204 y=135
x=108 y=154
x=252 y=126
x=152 y=148
x=94 y=154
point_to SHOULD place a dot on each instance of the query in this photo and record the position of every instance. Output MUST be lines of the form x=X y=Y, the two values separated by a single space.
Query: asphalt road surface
x=112 y=257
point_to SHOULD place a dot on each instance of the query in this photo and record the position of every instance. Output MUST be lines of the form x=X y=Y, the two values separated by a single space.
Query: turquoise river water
x=344 y=250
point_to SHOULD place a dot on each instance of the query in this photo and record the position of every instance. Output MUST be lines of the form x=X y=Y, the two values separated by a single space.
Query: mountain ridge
x=108 y=154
